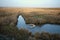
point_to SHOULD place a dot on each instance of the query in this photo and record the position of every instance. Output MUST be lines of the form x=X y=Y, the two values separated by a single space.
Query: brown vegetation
x=24 y=34
x=8 y=20
x=8 y=16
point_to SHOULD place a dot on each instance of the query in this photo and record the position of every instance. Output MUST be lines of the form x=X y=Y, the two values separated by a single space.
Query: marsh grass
x=24 y=34
x=43 y=19
x=8 y=25
x=39 y=16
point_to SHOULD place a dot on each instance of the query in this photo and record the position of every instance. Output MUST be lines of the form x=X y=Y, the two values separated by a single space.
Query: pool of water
x=51 y=28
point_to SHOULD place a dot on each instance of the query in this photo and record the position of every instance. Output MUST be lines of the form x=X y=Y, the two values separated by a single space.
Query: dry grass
x=44 y=15
x=27 y=10
x=8 y=20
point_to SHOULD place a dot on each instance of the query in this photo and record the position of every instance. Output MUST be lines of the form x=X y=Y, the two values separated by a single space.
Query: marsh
x=50 y=28
x=10 y=18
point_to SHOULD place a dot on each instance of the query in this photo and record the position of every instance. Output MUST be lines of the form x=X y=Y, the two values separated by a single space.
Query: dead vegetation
x=8 y=22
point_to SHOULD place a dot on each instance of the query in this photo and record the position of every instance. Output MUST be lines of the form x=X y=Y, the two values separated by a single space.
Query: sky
x=30 y=3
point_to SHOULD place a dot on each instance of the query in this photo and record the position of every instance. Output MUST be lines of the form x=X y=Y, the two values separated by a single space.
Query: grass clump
x=24 y=34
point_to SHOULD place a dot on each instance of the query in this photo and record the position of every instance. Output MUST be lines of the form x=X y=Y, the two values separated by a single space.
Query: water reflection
x=51 y=28
x=21 y=22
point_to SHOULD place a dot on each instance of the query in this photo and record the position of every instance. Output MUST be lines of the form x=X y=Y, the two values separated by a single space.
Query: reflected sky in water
x=51 y=28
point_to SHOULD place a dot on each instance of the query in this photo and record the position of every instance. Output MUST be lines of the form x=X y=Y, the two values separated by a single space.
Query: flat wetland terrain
x=32 y=15
x=37 y=16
